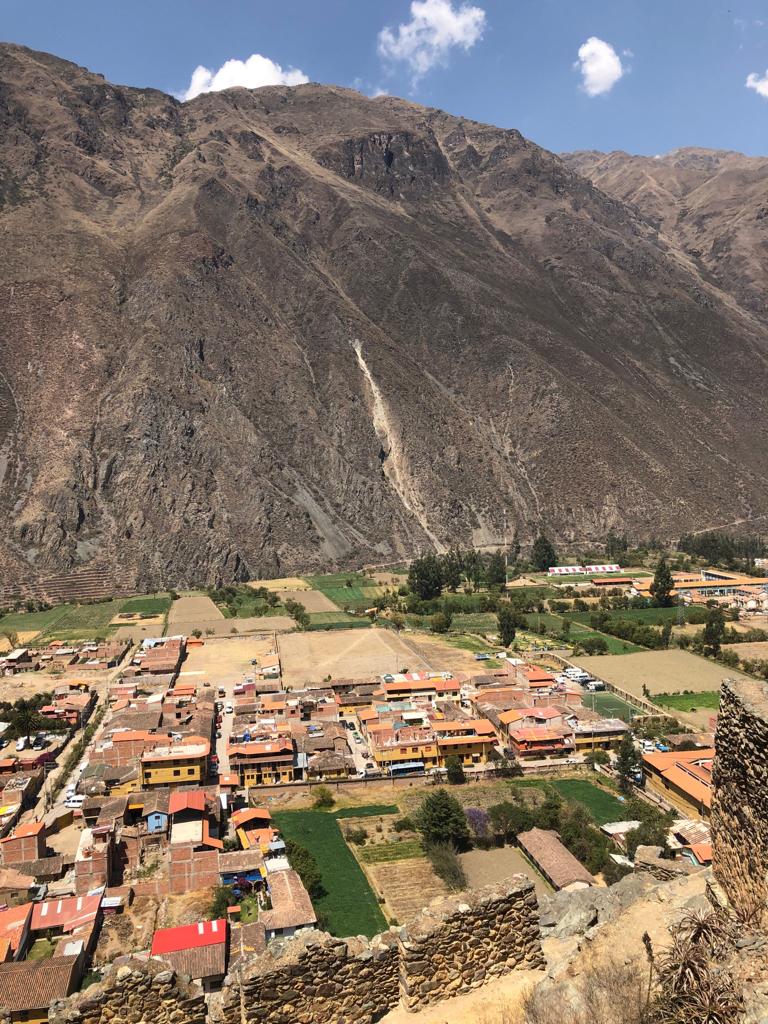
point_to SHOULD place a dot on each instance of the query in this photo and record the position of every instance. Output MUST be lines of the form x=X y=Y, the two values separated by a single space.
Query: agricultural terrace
x=346 y=589
x=76 y=622
x=349 y=903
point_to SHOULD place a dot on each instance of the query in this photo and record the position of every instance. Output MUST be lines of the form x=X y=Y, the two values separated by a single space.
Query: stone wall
x=315 y=979
x=740 y=797
x=136 y=991
x=455 y=944
x=649 y=859
x=464 y=941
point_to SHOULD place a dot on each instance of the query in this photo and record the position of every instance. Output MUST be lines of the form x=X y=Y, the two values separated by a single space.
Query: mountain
x=291 y=328
x=712 y=204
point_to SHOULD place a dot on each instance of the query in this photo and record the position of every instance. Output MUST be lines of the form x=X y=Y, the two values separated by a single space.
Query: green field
x=475 y=622
x=156 y=605
x=643 y=616
x=579 y=631
x=349 y=903
x=368 y=811
x=707 y=699
x=603 y=806
x=610 y=705
x=358 y=596
x=83 y=621
x=386 y=853
x=29 y=621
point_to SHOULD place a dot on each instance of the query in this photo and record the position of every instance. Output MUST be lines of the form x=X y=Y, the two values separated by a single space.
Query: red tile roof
x=186 y=800
x=34 y=984
x=32 y=828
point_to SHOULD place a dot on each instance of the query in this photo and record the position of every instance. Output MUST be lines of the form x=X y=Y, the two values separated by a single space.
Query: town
x=194 y=776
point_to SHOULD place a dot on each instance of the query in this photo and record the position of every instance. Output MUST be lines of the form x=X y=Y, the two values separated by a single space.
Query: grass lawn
x=156 y=605
x=614 y=643
x=41 y=950
x=385 y=853
x=643 y=616
x=475 y=622
x=579 y=631
x=349 y=903
x=709 y=699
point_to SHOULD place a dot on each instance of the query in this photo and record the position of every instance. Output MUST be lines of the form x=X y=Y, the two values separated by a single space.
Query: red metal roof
x=66 y=913
x=189 y=936
x=32 y=828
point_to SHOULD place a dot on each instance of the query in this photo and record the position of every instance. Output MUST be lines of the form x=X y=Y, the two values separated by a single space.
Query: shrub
x=404 y=825
x=455 y=771
x=306 y=867
x=446 y=864
x=441 y=819
x=323 y=798
x=357 y=836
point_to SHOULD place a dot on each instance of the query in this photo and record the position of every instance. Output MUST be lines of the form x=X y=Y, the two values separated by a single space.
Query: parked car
x=74 y=803
x=358 y=739
x=228 y=709
x=369 y=764
x=21 y=743
x=218 y=734
x=39 y=742
x=662 y=747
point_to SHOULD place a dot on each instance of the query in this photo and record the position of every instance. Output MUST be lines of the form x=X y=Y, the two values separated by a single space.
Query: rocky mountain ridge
x=291 y=328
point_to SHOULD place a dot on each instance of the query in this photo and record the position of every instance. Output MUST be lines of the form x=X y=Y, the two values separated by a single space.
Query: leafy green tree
x=306 y=867
x=594 y=645
x=543 y=554
x=509 y=819
x=455 y=770
x=441 y=622
x=663 y=585
x=594 y=757
x=222 y=897
x=398 y=620
x=452 y=566
x=714 y=631
x=549 y=813
x=496 y=571
x=509 y=621
x=441 y=819
x=666 y=634
x=425 y=577
x=627 y=764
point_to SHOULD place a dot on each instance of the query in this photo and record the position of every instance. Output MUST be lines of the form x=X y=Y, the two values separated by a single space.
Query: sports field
x=349 y=903
x=610 y=705
x=672 y=671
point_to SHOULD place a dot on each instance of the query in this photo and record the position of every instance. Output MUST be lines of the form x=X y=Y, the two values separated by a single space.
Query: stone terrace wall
x=315 y=979
x=462 y=942
x=740 y=802
x=138 y=991
x=455 y=944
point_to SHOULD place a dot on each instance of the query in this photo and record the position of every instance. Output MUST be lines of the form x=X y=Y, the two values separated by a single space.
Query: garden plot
x=671 y=671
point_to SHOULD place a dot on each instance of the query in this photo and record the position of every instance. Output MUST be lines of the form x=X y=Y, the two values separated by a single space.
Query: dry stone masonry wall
x=136 y=992
x=740 y=803
x=454 y=945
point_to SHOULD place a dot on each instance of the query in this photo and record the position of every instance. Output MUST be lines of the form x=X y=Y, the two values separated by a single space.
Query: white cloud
x=600 y=66
x=251 y=73
x=436 y=27
x=760 y=85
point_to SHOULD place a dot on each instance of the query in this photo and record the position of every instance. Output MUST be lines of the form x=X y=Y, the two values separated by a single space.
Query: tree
x=305 y=866
x=496 y=571
x=594 y=757
x=509 y=620
x=666 y=634
x=452 y=564
x=441 y=819
x=543 y=554
x=477 y=819
x=550 y=812
x=509 y=819
x=441 y=622
x=594 y=645
x=398 y=620
x=505 y=767
x=323 y=797
x=627 y=764
x=455 y=770
x=714 y=631
x=425 y=577
x=222 y=897
x=663 y=585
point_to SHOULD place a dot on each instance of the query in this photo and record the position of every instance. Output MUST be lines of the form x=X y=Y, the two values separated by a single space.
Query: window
x=176 y=772
x=190 y=771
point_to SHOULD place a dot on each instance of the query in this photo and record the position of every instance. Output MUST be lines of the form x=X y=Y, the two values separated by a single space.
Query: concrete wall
x=740 y=801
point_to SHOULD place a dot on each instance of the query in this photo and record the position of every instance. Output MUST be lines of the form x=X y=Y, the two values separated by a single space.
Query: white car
x=228 y=710
x=74 y=803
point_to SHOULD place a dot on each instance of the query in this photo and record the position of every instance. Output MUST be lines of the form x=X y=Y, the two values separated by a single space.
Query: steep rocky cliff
x=271 y=330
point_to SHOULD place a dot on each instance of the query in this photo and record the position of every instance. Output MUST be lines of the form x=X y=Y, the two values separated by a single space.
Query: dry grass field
x=758 y=650
x=285 y=583
x=313 y=600
x=344 y=654
x=670 y=671
x=406 y=885
x=445 y=657
x=484 y=867
x=221 y=661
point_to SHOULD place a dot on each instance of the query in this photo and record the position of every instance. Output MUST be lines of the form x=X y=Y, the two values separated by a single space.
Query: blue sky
x=653 y=74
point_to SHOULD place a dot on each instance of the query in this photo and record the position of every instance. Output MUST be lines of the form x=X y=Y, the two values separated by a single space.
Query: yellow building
x=469 y=749
x=390 y=753
x=176 y=765
x=263 y=763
